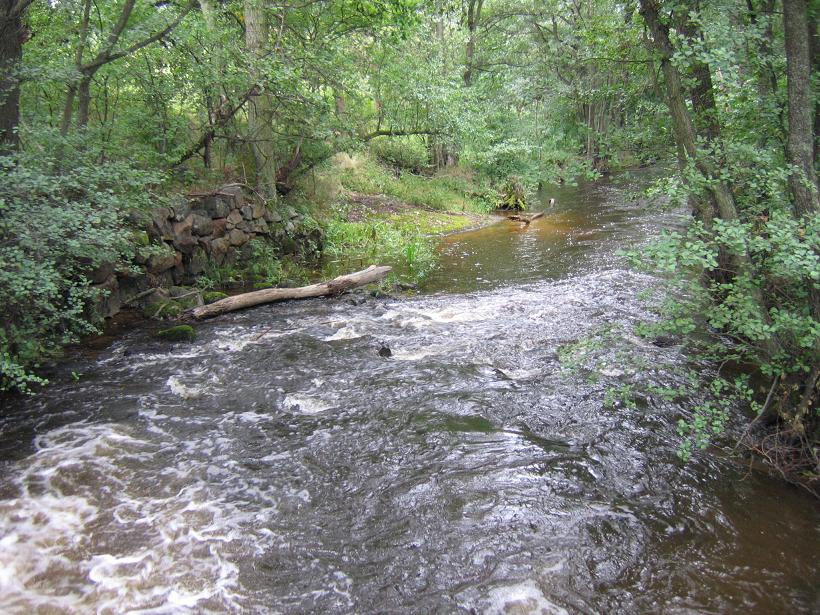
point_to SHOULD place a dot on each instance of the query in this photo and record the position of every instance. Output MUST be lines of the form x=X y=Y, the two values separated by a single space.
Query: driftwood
x=336 y=286
x=525 y=219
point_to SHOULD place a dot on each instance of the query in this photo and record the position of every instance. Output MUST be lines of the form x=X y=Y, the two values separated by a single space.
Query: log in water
x=336 y=286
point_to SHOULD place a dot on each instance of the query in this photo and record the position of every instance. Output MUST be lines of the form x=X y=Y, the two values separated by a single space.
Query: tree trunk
x=335 y=286
x=259 y=133
x=84 y=100
x=12 y=34
x=722 y=201
x=800 y=145
x=473 y=19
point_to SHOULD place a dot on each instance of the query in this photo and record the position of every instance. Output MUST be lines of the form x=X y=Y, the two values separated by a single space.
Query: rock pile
x=179 y=242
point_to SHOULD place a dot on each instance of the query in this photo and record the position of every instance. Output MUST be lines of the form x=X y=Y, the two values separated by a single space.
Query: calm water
x=279 y=464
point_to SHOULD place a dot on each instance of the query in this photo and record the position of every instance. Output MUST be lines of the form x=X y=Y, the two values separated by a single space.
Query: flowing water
x=280 y=464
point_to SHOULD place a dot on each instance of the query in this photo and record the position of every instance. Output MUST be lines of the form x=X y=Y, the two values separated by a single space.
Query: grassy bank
x=373 y=212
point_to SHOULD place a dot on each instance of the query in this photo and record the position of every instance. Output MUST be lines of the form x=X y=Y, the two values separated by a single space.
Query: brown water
x=279 y=464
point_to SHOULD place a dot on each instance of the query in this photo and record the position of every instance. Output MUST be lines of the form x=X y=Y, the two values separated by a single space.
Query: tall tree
x=107 y=53
x=801 y=140
x=12 y=37
x=259 y=129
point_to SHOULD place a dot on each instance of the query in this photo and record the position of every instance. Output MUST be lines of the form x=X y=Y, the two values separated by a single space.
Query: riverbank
x=373 y=212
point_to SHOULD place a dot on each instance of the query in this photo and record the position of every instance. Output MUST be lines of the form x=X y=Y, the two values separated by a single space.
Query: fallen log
x=336 y=286
x=525 y=219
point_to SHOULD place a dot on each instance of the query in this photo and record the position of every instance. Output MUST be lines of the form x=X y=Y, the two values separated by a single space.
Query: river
x=280 y=464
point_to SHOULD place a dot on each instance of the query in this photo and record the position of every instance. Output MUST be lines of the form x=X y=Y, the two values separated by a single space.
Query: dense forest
x=111 y=108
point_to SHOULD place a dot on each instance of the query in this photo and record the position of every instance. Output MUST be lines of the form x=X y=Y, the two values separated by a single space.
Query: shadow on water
x=280 y=464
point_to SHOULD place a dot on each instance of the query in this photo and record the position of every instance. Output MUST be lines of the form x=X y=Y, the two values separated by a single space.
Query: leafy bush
x=403 y=152
x=61 y=217
x=723 y=319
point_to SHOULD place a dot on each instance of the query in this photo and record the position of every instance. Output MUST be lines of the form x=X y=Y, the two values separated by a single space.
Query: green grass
x=441 y=192
x=398 y=226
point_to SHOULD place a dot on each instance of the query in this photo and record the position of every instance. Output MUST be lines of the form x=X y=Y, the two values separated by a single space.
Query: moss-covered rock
x=180 y=333
x=141 y=238
x=162 y=309
x=212 y=296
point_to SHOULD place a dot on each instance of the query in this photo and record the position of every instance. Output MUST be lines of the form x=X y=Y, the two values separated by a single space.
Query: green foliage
x=403 y=152
x=356 y=244
x=61 y=217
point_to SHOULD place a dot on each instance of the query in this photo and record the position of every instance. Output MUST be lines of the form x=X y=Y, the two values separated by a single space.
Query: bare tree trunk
x=259 y=132
x=800 y=145
x=473 y=19
x=12 y=36
x=84 y=100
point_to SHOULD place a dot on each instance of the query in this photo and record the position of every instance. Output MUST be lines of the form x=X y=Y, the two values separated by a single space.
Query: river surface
x=279 y=464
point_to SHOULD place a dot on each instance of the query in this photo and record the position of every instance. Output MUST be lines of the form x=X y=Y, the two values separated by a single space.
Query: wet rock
x=384 y=351
x=180 y=333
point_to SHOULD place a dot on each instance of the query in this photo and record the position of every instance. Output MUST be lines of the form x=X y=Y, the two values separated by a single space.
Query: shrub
x=61 y=216
x=403 y=152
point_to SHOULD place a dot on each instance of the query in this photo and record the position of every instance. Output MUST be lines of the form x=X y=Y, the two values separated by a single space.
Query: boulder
x=247 y=212
x=219 y=227
x=185 y=242
x=161 y=229
x=101 y=273
x=198 y=261
x=201 y=225
x=108 y=301
x=211 y=296
x=220 y=246
x=258 y=210
x=237 y=237
x=180 y=333
x=260 y=226
x=157 y=263
x=235 y=193
x=181 y=207
x=272 y=216
x=235 y=217
x=215 y=206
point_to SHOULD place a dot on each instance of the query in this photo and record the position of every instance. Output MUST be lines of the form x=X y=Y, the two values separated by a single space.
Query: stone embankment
x=178 y=243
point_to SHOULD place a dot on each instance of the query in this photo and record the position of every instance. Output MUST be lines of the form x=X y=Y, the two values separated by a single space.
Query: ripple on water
x=280 y=463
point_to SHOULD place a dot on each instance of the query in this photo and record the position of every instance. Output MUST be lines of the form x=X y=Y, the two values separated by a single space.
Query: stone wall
x=179 y=242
